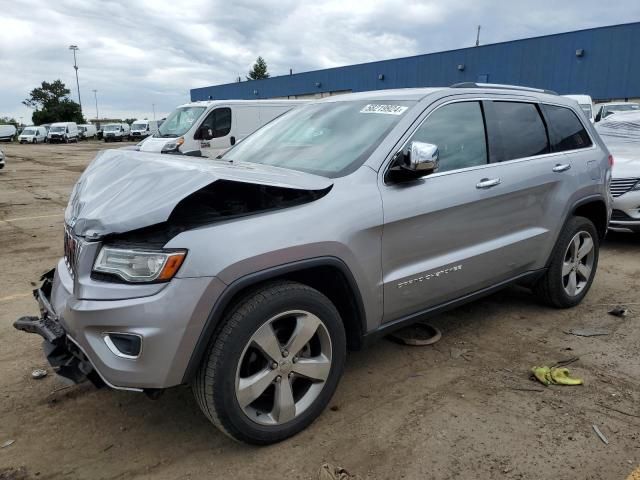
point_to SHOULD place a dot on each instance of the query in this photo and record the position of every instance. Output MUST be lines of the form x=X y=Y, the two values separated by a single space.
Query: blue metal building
x=602 y=62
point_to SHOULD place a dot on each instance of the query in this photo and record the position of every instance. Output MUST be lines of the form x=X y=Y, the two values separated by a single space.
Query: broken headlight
x=174 y=146
x=139 y=266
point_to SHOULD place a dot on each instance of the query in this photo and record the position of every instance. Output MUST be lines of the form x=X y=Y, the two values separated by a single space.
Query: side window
x=219 y=121
x=458 y=131
x=565 y=129
x=522 y=130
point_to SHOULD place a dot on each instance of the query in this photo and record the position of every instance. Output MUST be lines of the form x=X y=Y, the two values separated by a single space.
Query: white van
x=586 y=105
x=142 y=129
x=63 y=132
x=115 y=132
x=33 y=135
x=87 y=131
x=7 y=133
x=210 y=128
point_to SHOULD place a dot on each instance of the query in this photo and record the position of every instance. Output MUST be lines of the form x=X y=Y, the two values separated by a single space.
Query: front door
x=467 y=226
x=218 y=123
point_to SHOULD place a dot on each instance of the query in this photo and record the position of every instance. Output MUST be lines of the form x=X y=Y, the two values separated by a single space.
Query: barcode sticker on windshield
x=384 y=109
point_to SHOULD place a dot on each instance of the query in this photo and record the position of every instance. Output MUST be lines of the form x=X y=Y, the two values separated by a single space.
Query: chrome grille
x=71 y=251
x=620 y=186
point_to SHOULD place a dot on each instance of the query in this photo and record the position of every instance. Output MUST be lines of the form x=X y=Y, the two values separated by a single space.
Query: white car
x=33 y=135
x=210 y=128
x=115 y=132
x=7 y=132
x=621 y=134
x=586 y=105
x=603 y=110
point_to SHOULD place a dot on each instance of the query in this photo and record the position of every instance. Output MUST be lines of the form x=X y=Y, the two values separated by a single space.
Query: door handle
x=561 y=168
x=488 y=183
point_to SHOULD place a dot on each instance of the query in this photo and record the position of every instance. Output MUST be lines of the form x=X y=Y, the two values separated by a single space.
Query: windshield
x=586 y=108
x=328 y=139
x=139 y=126
x=622 y=108
x=28 y=131
x=82 y=129
x=111 y=128
x=179 y=121
x=58 y=129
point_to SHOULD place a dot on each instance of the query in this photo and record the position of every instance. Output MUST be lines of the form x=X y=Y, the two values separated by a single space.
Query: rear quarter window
x=566 y=131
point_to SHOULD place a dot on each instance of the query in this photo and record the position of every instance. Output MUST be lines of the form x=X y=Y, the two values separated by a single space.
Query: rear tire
x=572 y=266
x=262 y=398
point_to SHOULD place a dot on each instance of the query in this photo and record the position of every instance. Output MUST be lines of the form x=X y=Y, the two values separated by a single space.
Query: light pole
x=95 y=94
x=153 y=105
x=75 y=48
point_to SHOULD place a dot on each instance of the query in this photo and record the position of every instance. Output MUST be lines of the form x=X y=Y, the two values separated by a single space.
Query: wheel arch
x=329 y=275
x=595 y=209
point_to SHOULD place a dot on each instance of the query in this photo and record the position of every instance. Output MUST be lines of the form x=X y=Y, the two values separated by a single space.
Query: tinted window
x=219 y=121
x=522 y=130
x=566 y=131
x=458 y=131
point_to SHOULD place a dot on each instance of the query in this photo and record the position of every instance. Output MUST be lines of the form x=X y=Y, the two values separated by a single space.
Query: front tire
x=274 y=364
x=573 y=265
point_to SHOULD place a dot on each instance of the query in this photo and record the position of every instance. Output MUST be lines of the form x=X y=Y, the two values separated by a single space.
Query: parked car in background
x=141 y=129
x=2 y=159
x=621 y=134
x=210 y=128
x=603 y=110
x=7 y=132
x=115 y=132
x=63 y=132
x=87 y=131
x=332 y=225
x=33 y=135
x=586 y=105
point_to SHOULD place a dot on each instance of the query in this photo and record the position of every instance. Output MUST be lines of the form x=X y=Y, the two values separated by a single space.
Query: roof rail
x=500 y=86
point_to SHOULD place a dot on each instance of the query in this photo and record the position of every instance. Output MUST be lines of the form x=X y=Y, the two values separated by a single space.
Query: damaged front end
x=63 y=354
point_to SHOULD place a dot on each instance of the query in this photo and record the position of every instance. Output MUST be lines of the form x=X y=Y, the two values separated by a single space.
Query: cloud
x=139 y=53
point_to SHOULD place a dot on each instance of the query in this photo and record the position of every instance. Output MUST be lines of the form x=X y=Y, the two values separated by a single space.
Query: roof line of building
x=257 y=82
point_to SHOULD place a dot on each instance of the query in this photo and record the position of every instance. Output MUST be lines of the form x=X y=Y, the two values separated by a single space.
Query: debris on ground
x=587 y=332
x=39 y=373
x=555 y=376
x=600 y=434
x=8 y=443
x=619 y=312
x=418 y=335
x=332 y=472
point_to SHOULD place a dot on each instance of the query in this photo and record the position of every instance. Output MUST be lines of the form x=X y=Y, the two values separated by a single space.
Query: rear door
x=478 y=220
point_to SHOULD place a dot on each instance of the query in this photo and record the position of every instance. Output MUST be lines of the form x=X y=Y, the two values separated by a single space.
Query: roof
x=207 y=103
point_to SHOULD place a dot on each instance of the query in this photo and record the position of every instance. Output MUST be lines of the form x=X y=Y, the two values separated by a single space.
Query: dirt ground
x=463 y=408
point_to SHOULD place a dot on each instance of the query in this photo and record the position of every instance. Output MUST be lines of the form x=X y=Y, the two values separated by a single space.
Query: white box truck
x=210 y=128
x=63 y=132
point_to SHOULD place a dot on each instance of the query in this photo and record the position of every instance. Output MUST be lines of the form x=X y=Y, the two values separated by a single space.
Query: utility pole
x=153 y=105
x=95 y=94
x=478 y=36
x=75 y=48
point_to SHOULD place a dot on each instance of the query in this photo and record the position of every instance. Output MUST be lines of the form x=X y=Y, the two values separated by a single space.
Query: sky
x=146 y=54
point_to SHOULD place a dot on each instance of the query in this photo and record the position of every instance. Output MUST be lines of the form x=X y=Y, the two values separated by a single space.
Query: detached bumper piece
x=62 y=354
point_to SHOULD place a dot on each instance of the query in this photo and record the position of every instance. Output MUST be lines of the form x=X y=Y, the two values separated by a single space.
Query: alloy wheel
x=577 y=266
x=283 y=368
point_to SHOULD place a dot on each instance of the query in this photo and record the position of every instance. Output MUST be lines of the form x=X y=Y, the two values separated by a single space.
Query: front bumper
x=626 y=213
x=75 y=330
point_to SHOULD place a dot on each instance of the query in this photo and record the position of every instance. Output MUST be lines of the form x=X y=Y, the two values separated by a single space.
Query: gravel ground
x=462 y=408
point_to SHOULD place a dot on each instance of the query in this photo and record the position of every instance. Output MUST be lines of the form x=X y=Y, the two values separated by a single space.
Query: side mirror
x=232 y=140
x=421 y=158
x=204 y=133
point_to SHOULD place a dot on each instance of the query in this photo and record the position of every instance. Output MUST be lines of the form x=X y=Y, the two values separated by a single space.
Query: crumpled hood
x=125 y=190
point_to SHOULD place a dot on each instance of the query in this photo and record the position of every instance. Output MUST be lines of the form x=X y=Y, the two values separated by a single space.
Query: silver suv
x=249 y=277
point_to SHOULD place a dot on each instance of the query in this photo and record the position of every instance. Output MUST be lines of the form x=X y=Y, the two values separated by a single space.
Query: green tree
x=259 y=70
x=8 y=121
x=51 y=103
x=130 y=120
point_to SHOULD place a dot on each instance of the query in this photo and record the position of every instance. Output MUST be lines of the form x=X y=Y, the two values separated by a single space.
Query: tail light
x=610 y=160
